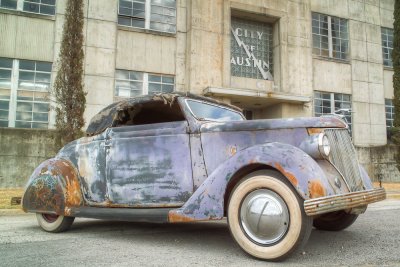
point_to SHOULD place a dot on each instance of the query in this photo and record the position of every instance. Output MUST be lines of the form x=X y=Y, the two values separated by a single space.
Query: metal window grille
x=330 y=36
x=24 y=90
x=389 y=110
x=243 y=64
x=45 y=7
x=328 y=103
x=135 y=83
x=387 y=46
x=159 y=15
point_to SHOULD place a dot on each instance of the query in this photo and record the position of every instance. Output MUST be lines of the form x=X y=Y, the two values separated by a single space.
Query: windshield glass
x=206 y=111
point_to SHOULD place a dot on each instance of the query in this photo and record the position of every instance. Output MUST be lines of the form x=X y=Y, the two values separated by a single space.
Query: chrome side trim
x=328 y=204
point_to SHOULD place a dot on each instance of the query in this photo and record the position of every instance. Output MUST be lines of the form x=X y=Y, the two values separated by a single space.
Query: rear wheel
x=54 y=223
x=266 y=216
x=335 y=221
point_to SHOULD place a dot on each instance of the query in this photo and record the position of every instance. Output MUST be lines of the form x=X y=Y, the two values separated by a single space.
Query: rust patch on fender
x=316 y=189
x=174 y=217
x=287 y=174
x=73 y=195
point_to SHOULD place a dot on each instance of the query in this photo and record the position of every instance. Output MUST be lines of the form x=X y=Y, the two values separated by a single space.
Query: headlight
x=323 y=145
x=317 y=146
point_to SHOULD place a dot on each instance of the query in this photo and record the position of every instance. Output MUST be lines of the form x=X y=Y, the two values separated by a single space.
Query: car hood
x=255 y=125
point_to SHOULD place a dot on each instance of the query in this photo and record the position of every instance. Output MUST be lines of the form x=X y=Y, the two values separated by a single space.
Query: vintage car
x=173 y=158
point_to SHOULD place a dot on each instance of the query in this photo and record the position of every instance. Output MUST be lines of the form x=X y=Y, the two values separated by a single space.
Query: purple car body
x=178 y=157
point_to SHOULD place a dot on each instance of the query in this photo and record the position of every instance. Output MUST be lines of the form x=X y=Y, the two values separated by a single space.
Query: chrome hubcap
x=264 y=216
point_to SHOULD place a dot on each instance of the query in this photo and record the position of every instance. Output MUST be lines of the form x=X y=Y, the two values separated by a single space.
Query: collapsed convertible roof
x=109 y=116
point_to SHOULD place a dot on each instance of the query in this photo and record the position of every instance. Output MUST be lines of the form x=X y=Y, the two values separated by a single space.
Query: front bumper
x=321 y=205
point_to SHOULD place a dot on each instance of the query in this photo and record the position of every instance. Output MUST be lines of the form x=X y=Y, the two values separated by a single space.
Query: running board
x=155 y=215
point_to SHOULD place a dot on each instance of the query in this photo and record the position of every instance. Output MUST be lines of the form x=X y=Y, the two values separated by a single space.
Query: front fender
x=53 y=188
x=299 y=168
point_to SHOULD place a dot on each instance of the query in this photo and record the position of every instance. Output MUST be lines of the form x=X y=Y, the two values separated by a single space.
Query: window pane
x=27 y=76
x=23 y=106
x=154 y=78
x=43 y=77
x=154 y=87
x=37 y=125
x=167 y=79
x=4 y=105
x=3 y=114
x=40 y=117
x=137 y=23
x=5 y=63
x=4 y=123
x=24 y=116
x=26 y=65
x=38 y=107
x=43 y=66
x=137 y=76
x=122 y=74
x=5 y=74
x=21 y=124
x=166 y=88
x=12 y=4
x=125 y=11
x=48 y=10
x=124 y=21
x=127 y=4
x=31 y=7
x=49 y=2
x=5 y=83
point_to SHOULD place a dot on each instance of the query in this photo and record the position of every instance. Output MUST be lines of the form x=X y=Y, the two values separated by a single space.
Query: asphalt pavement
x=374 y=240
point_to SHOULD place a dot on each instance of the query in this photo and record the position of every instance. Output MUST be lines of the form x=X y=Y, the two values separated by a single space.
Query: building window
x=135 y=83
x=330 y=36
x=45 y=7
x=389 y=109
x=333 y=103
x=251 y=49
x=9 y=4
x=24 y=91
x=387 y=46
x=159 y=15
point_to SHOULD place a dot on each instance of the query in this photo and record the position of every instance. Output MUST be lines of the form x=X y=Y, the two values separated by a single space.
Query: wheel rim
x=50 y=218
x=264 y=217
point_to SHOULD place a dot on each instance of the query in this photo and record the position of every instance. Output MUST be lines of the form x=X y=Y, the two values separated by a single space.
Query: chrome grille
x=344 y=157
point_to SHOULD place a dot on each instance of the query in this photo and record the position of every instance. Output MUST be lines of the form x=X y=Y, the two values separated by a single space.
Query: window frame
x=389 y=59
x=331 y=45
x=21 y=3
x=392 y=112
x=34 y=97
x=148 y=7
x=145 y=83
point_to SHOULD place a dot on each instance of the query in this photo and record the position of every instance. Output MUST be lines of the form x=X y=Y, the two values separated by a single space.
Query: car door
x=149 y=165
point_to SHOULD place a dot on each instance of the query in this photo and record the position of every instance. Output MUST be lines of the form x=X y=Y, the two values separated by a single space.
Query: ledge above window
x=148 y=31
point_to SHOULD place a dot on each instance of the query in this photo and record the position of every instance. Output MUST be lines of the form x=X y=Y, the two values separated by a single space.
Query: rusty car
x=179 y=157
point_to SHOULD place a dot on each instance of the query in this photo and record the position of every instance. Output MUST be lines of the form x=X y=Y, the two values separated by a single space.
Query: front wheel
x=335 y=221
x=266 y=216
x=54 y=223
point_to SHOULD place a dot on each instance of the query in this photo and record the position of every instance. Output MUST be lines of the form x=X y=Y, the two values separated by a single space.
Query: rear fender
x=303 y=172
x=53 y=188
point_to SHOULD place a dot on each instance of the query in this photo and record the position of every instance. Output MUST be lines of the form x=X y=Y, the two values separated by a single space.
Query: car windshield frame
x=242 y=118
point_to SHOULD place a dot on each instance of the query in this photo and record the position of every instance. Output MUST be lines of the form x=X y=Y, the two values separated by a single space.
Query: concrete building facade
x=273 y=58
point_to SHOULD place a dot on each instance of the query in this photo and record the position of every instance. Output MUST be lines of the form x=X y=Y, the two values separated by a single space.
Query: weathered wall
x=21 y=151
x=380 y=162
